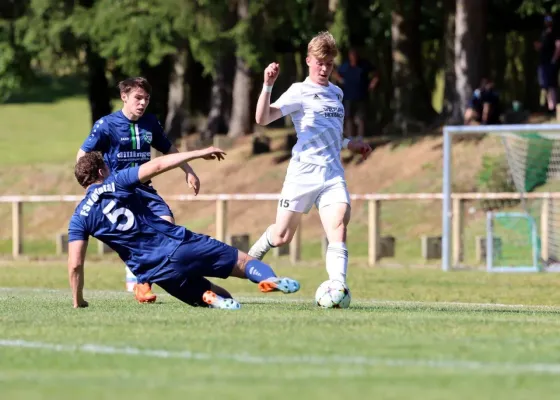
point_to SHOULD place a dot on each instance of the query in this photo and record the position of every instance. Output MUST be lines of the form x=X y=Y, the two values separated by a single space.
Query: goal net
x=501 y=197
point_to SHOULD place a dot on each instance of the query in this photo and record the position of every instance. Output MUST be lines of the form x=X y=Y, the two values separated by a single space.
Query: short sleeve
x=77 y=229
x=160 y=142
x=128 y=178
x=98 y=139
x=290 y=101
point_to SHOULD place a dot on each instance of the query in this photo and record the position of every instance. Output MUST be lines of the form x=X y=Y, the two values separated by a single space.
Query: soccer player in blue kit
x=125 y=138
x=154 y=249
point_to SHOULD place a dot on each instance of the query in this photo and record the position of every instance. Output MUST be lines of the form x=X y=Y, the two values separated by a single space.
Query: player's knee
x=337 y=233
x=339 y=227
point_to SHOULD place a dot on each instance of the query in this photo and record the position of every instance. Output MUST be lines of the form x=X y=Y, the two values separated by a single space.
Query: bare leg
x=278 y=234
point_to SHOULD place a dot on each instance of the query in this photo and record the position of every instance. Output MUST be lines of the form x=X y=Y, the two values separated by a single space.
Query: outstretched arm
x=168 y=162
x=76 y=258
x=265 y=114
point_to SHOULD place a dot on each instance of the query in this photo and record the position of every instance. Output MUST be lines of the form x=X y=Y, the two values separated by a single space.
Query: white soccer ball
x=333 y=294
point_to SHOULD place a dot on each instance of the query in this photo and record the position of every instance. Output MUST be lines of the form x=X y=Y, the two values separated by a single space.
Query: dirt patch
x=406 y=168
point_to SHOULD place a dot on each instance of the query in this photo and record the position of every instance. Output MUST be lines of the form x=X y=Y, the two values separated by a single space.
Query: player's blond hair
x=323 y=45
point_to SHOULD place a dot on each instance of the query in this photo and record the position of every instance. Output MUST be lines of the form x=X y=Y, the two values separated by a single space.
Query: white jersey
x=317 y=113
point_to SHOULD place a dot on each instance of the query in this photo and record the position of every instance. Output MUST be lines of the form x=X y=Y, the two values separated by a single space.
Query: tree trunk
x=99 y=95
x=451 y=105
x=470 y=33
x=158 y=76
x=412 y=99
x=530 y=66
x=177 y=118
x=220 y=100
x=240 y=122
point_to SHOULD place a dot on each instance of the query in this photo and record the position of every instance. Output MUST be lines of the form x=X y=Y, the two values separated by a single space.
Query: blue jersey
x=113 y=213
x=125 y=143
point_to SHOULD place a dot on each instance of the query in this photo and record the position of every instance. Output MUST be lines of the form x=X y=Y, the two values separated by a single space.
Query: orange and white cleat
x=275 y=284
x=143 y=293
x=216 y=301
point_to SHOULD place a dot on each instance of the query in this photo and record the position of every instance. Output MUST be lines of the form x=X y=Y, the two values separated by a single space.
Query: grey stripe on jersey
x=332 y=149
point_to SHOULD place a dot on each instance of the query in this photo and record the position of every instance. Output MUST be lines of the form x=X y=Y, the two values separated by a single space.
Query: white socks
x=263 y=245
x=337 y=255
x=337 y=261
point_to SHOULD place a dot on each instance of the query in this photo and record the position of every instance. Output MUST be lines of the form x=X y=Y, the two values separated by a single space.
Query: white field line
x=324 y=362
x=295 y=299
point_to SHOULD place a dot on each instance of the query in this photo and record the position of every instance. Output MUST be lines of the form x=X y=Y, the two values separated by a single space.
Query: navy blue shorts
x=548 y=76
x=153 y=201
x=199 y=256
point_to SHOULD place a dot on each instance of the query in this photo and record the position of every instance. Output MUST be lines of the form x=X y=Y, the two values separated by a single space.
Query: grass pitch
x=409 y=333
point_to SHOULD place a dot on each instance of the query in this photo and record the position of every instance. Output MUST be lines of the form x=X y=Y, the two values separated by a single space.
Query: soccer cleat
x=143 y=293
x=275 y=284
x=215 y=301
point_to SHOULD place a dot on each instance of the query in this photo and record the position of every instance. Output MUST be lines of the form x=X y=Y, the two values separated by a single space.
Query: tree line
x=206 y=57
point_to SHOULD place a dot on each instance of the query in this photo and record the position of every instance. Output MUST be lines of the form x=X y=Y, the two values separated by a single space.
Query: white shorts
x=308 y=184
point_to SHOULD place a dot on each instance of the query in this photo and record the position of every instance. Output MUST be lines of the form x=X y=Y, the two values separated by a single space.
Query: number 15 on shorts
x=284 y=203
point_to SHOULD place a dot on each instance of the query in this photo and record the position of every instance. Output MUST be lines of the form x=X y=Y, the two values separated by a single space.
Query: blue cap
x=548 y=18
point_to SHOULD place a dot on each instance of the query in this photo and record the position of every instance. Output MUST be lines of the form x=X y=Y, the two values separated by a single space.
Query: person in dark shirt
x=484 y=106
x=357 y=77
x=125 y=139
x=548 y=48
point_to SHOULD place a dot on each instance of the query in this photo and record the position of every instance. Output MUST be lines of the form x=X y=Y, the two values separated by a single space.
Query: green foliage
x=339 y=27
x=15 y=69
x=494 y=176
x=47 y=33
x=10 y=78
x=202 y=23
x=130 y=32
x=532 y=7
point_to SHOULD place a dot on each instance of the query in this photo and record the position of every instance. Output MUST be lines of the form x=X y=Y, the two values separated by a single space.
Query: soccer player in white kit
x=315 y=174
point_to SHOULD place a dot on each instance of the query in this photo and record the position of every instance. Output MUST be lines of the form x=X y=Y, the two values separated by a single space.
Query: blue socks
x=257 y=271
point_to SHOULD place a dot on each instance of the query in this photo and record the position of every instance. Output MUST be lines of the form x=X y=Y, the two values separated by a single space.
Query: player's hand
x=271 y=73
x=193 y=182
x=359 y=147
x=80 y=303
x=213 y=153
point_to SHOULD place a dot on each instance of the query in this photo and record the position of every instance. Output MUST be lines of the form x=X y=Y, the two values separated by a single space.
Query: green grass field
x=43 y=133
x=409 y=333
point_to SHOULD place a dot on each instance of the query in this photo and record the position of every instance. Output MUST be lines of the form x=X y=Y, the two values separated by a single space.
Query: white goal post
x=545 y=132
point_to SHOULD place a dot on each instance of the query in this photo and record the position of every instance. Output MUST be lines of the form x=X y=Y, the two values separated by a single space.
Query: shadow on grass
x=48 y=89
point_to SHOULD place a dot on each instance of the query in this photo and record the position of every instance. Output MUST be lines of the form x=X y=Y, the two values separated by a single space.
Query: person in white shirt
x=315 y=174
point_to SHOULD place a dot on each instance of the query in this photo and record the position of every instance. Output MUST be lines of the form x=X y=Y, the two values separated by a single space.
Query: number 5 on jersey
x=113 y=216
